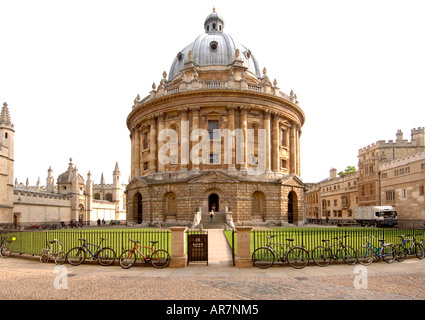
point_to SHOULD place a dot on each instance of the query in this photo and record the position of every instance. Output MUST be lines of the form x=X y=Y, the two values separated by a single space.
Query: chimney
x=332 y=173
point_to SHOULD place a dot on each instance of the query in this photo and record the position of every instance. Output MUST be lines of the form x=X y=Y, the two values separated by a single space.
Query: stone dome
x=66 y=177
x=213 y=48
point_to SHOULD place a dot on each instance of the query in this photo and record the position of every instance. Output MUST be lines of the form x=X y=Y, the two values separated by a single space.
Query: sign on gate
x=197 y=248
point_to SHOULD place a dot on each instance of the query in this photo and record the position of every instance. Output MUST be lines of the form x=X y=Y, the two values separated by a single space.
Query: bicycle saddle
x=154 y=242
x=135 y=241
x=52 y=241
x=289 y=239
x=82 y=239
x=325 y=240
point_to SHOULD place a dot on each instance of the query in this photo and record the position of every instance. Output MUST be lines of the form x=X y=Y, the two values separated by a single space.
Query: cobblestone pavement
x=23 y=279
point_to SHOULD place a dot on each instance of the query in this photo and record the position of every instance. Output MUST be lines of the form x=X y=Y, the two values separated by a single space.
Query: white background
x=70 y=70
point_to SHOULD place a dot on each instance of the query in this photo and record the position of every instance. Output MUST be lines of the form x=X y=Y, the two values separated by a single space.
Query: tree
x=348 y=170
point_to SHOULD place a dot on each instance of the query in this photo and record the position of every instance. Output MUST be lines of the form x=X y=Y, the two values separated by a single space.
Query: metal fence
x=32 y=242
x=311 y=238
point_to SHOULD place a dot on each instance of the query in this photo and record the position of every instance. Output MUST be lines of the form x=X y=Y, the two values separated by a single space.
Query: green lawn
x=313 y=237
x=32 y=242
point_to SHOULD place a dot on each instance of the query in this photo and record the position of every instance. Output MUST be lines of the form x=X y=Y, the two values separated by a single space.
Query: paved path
x=219 y=251
x=27 y=278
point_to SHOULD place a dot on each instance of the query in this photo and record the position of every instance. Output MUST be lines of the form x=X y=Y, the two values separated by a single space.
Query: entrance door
x=290 y=208
x=213 y=202
x=139 y=209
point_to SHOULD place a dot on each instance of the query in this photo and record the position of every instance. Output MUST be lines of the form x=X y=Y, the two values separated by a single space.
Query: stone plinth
x=178 y=247
x=243 y=258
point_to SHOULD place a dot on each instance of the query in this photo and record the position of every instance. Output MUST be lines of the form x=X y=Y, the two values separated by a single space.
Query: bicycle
x=6 y=247
x=49 y=253
x=368 y=252
x=158 y=258
x=104 y=256
x=322 y=255
x=264 y=257
x=402 y=250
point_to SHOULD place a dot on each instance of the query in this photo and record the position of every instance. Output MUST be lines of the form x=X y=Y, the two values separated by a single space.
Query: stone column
x=137 y=151
x=178 y=247
x=153 y=154
x=275 y=143
x=298 y=152
x=243 y=258
x=293 y=149
x=161 y=126
x=195 y=125
x=231 y=126
x=268 y=146
x=132 y=154
x=184 y=143
x=243 y=148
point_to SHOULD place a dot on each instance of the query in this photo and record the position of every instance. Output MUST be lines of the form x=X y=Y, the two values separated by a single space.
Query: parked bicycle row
x=103 y=255
x=298 y=257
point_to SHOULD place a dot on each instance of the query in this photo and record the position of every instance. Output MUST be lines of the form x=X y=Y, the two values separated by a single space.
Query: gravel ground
x=33 y=283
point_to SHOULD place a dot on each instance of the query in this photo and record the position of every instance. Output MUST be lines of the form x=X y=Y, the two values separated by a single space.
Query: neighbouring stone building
x=389 y=173
x=215 y=133
x=402 y=185
x=7 y=134
x=71 y=198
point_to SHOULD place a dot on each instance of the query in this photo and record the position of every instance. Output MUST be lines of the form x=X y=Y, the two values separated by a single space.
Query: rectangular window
x=146 y=141
x=421 y=190
x=145 y=166
x=389 y=196
x=214 y=158
x=282 y=138
x=213 y=129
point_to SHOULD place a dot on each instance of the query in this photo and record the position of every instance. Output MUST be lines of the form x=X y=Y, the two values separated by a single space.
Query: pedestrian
x=212 y=216
x=98 y=222
x=103 y=221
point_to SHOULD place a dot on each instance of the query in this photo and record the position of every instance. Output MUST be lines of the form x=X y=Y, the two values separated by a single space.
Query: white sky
x=70 y=70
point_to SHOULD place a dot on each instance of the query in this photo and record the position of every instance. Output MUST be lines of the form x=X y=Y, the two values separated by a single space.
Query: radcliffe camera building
x=215 y=134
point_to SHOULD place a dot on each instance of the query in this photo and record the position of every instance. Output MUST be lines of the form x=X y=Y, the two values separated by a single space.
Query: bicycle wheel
x=6 y=249
x=297 y=257
x=127 y=259
x=60 y=258
x=160 y=259
x=76 y=256
x=321 y=256
x=106 y=256
x=388 y=253
x=263 y=258
x=44 y=256
x=419 y=251
x=400 y=253
x=364 y=255
x=348 y=254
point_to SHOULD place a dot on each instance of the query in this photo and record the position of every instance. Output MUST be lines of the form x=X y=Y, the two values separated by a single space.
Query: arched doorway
x=138 y=207
x=213 y=202
x=292 y=206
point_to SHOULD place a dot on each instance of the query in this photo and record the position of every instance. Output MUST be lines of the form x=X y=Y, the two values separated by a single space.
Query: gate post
x=243 y=241
x=178 y=246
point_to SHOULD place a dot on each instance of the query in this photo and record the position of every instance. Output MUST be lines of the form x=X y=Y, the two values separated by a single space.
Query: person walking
x=212 y=216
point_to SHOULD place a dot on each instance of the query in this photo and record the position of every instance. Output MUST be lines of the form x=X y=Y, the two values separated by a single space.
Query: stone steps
x=219 y=221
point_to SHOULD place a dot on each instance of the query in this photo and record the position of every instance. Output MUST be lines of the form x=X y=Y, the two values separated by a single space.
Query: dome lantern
x=214 y=23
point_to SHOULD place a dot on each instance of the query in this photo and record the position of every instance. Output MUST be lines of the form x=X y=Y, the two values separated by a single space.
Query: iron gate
x=197 y=247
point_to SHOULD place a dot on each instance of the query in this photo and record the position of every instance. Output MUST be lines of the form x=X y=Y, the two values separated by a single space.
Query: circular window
x=248 y=54
x=180 y=56
x=213 y=46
